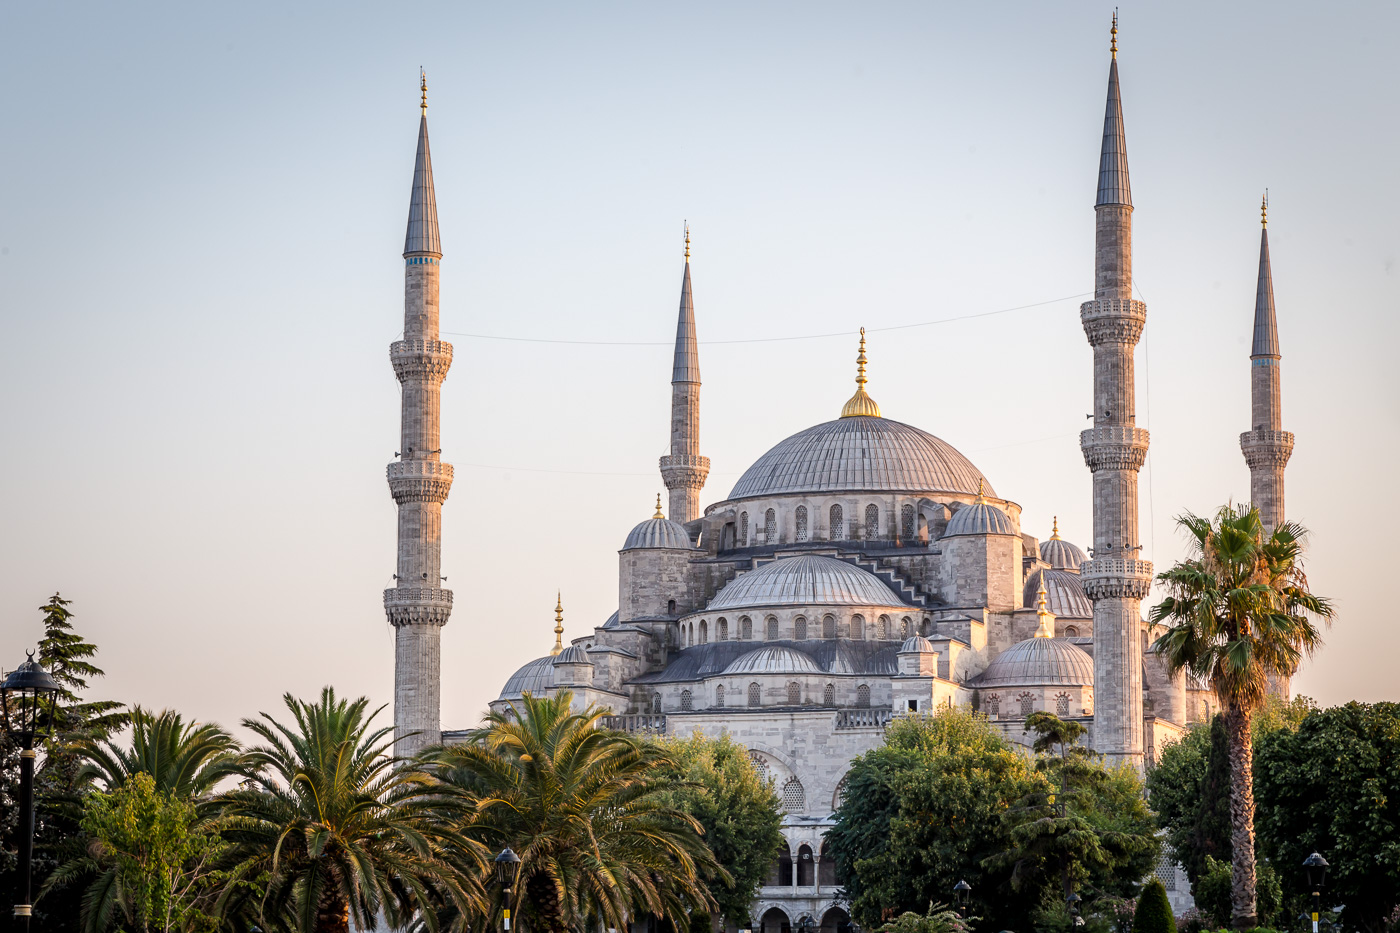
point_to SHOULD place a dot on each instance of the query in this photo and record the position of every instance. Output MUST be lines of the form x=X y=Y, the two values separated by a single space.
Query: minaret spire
x=860 y=404
x=684 y=470
x=558 y=648
x=418 y=605
x=1116 y=578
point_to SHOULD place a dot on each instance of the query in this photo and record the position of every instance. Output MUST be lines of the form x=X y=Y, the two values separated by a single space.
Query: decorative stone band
x=684 y=471
x=1115 y=578
x=1264 y=448
x=1114 y=447
x=421 y=359
x=420 y=481
x=417 y=605
x=1113 y=320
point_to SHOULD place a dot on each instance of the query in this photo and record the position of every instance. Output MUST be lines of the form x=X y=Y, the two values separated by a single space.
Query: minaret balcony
x=1116 y=578
x=420 y=481
x=421 y=359
x=1113 y=321
x=684 y=470
x=1265 y=448
x=417 y=605
x=1114 y=447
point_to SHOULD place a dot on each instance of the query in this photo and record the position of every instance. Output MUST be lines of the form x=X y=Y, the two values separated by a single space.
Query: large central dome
x=860 y=454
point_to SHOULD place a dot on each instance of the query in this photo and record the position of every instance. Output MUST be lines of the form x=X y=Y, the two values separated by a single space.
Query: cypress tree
x=1154 y=911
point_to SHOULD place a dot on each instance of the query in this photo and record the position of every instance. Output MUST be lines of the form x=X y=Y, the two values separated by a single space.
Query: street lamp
x=1316 y=868
x=962 y=894
x=507 y=867
x=1072 y=902
x=23 y=697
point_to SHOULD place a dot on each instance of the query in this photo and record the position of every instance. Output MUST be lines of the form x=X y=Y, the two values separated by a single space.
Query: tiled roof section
x=687 y=363
x=1113 y=157
x=534 y=678
x=773 y=660
x=1265 y=323
x=1039 y=662
x=830 y=656
x=859 y=454
x=422 y=236
x=804 y=581
x=658 y=533
x=979 y=518
x=1064 y=594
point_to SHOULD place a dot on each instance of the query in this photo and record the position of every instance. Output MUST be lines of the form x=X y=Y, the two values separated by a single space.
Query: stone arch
x=839 y=794
x=1071 y=631
x=745 y=628
x=801 y=519
x=806 y=866
x=834 y=918
x=799 y=628
x=837 y=532
x=828 y=626
x=775 y=919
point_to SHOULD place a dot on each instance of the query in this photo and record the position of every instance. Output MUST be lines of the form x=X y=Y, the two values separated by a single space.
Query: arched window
x=779 y=876
x=743 y=529
x=839 y=797
x=690 y=634
x=828 y=626
x=794 y=694
x=872 y=521
x=1071 y=631
x=829 y=695
x=656 y=702
x=704 y=632
x=992 y=706
x=745 y=629
x=805 y=866
x=799 y=628
x=826 y=875
x=719 y=696
x=838 y=524
x=670 y=607
x=884 y=628
x=772 y=629
x=925 y=627
x=1027 y=704
x=906 y=628
x=863 y=696
x=687 y=700
x=906 y=522
x=755 y=695
x=1062 y=704
x=794 y=796
x=802 y=523
x=770 y=527
x=722 y=630
x=759 y=764
x=858 y=627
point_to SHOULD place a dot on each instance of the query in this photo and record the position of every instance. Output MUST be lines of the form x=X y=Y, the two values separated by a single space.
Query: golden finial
x=860 y=403
x=658 y=507
x=1113 y=44
x=558 y=625
x=423 y=84
x=687 y=241
x=981 y=489
x=1055 y=529
x=1264 y=209
x=1046 y=629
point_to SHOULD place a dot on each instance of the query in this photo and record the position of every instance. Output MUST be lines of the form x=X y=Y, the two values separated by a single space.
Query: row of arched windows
x=991 y=705
x=837 y=529
x=883 y=629
x=755 y=696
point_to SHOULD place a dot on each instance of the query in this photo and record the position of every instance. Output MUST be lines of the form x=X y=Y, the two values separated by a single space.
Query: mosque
x=860 y=570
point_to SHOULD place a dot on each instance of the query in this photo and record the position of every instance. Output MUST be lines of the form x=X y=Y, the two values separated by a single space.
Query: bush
x=1212 y=892
x=1154 y=911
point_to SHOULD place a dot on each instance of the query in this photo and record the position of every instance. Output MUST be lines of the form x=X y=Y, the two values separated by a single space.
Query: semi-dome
x=1040 y=662
x=804 y=581
x=1064 y=593
x=574 y=654
x=979 y=518
x=1059 y=553
x=658 y=532
x=534 y=678
x=916 y=643
x=859 y=453
x=773 y=660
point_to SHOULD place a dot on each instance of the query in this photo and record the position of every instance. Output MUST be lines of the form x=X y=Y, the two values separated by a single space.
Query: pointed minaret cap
x=1055 y=529
x=1113 y=157
x=558 y=626
x=658 y=507
x=860 y=404
x=422 y=237
x=1265 y=321
x=1046 y=628
x=686 y=367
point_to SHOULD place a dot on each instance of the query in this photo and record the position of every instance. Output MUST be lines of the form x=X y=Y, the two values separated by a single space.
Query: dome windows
x=863 y=696
x=743 y=529
x=801 y=518
x=770 y=527
x=799 y=629
x=838 y=524
x=872 y=521
x=755 y=697
x=794 y=694
x=719 y=696
x=745 y=628
x=687 y=700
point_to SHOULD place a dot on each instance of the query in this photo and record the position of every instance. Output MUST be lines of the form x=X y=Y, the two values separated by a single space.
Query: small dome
x=916 y=643
x=658 y=533
x=534 y=678
x=1040 y=662
x=1059 y=553
x=979 y=518
x=773 y=660
x=804 y=581
x=612 y=621
x=1064 y=593
x=574 y=654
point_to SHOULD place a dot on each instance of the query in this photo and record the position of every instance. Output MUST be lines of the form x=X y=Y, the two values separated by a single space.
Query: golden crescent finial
x=687 y=241
x=1113 y=43
x=981 y=488
x=860 y=403
x=558 y=624
x=1046 y=628
x=1264 y=209
x=1055 y=529
x=658 y=507
x=423 y=85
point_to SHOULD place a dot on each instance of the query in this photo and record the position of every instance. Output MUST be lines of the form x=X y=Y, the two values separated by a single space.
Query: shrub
x=1154 y=911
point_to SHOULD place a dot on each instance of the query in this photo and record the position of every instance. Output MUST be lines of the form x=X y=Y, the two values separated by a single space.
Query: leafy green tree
x=717 y=784
x=334 y=830
x=939 y=918
x=587 y=811
x=1213 y=891
x=924 y=811
x=1333 y=786
x=1154 y=911
x=1083 y=825
x=1240 y=612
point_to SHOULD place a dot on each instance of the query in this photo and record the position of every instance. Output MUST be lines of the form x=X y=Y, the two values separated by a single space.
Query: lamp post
x=962 y=895
x=507 y=867
x=22 y=701
x=1316 y=867
x=1072 y=902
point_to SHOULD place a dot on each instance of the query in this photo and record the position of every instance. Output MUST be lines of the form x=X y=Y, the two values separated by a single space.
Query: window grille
x=744 y=529
x=687 y=700
x=794 y=796
x=872 y=521
x=754 y=695
x=992 y=706
x=829 y=627
x=1027 y=704
x=838 y=523
x=794 y=694
x=1166 y=872
x=656 y=702
x=839 y=797
x=863 y=696
x=829 y=695
x=802 y=523
x=722 y=630
x=1062 y=704
x=1071 y=631
x=799 y=628
x=770 y=527
x=906 y=522
x=772 y=629
x=759 y=764
x=884 y=628
x=745 y=628
x=906 y=628
x=719 y=696
x=858 y=627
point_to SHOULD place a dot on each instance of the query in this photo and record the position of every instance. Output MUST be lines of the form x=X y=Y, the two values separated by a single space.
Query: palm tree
x=331 y=827
x=1240 y=613
x=582 y=806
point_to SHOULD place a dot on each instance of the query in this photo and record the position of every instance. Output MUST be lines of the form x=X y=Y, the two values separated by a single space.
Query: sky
x=202 y=215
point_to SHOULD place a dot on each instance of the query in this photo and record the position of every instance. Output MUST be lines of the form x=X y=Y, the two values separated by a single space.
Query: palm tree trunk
x=1242 y=892
x=544 y=897
x=332 y=913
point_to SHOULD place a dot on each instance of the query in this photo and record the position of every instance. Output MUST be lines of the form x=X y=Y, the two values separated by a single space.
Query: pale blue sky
x=200 y=230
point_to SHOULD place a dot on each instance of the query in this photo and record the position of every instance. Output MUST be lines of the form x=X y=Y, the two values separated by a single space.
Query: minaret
x=418 y=606
x=1114 y=450
x=684 y=470
x=1267 y=446
x=558 y=648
